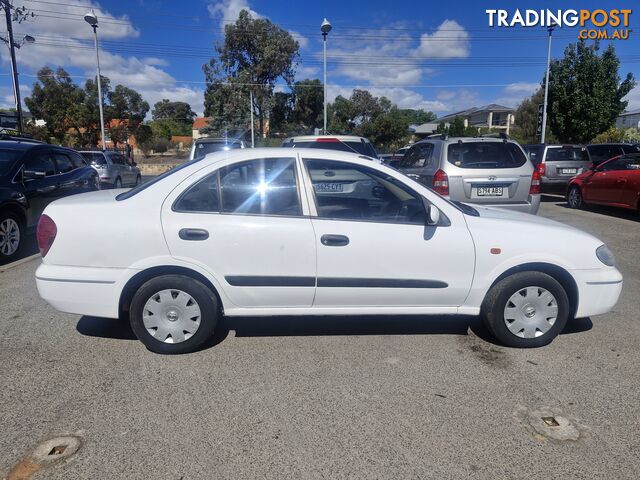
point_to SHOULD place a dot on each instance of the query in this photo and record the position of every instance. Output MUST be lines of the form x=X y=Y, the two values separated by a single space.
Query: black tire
x=138 y=180
x=117 y=183
x=574 y=197
x=203 y=296
x=8 y=257
x=496 y=300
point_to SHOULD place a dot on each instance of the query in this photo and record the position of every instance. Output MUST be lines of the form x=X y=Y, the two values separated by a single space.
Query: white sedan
x=311 y=232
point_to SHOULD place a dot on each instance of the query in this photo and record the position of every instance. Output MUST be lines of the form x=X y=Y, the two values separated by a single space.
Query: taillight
x=46 y=234
x=542 y=169
x=441 y=182
x=535 y=183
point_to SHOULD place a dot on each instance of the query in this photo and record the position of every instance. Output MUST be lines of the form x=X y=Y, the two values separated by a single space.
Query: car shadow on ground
x=354 y=325
x=617 y=212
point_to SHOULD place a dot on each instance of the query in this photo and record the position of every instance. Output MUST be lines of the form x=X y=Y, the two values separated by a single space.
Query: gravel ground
x=345 y=397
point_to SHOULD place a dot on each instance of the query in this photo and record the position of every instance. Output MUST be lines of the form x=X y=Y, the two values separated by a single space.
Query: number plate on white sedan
x=489 y=191
x=569 y=170
x=328 y=187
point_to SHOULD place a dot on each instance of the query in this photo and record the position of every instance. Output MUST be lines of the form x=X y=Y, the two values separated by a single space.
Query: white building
x=628 y=119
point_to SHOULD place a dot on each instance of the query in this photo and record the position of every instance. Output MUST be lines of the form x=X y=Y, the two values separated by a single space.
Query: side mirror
x=433 y=213
x=32 y=175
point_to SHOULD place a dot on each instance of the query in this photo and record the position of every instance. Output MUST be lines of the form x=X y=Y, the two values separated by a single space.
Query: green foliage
x=127 y=105
x=611 y=135
x=631 y=135
x=442 y=128
x=526 y=121
x=155 y=145
x=254 y=52
x=177 y=111
x=416 y=117
x=281 y=114
x=585 y=92
x=308 y=106
x=167 y=127
x=456 y=128
x=118 y=134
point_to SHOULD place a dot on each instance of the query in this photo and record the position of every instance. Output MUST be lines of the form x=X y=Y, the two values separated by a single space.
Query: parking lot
x=343 y=397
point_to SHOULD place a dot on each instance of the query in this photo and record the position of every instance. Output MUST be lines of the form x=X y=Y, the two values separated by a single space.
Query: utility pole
x=253 y=142
x=14 y=68
x=546 y=85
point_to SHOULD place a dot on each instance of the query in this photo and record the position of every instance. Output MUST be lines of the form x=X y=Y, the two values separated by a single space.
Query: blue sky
x=440 y=56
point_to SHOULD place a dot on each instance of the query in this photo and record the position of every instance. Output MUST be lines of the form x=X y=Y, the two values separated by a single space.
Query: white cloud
x=450 y=40
x=68 y=43
x=514 y=93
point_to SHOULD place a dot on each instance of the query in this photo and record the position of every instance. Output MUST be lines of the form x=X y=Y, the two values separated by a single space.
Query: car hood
x=519 y=217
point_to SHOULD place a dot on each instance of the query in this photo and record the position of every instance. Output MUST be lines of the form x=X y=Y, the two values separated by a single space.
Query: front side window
x=266 y=186
x=418 y=156
x=346 y=191
x=485 y=155
x=41 y=163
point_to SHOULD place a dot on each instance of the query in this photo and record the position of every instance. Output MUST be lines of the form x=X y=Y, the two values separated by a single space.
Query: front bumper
x=81 y=290
x=598 y=290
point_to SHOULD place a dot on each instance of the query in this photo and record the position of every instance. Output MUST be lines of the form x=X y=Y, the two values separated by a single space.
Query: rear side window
x=631 y=149
x=566 y=154
x=117 y=159
x=204 y=196
x=94 y=158
x=485 y=155
x=418 y=156
x=63 y=162
x=265 y=186
x=41 y=163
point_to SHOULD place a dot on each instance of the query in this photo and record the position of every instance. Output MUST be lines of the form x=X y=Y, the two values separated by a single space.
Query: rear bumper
x=598 y=290
x=81 y=290
x=530 y=206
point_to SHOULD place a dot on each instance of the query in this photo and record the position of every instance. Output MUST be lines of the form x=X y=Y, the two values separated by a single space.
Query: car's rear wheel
x=11 y=236
x=526 y=309
x=574 y=197
x=173 y=314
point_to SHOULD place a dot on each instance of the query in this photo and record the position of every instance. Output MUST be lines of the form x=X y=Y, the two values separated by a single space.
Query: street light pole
x=253 y=142
x=14 y=67
x=325 y=28
x=92 y=20
x=546 y=85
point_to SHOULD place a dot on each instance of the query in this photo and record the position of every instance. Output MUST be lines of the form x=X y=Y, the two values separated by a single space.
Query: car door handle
x=334 y=240
x=193 y=234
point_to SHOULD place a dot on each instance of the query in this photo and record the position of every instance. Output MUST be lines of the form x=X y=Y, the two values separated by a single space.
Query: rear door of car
x=488 y=172
x=564 y=162
x=604 y=185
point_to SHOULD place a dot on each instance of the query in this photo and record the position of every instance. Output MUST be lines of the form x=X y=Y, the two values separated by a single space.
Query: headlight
x=606 y=256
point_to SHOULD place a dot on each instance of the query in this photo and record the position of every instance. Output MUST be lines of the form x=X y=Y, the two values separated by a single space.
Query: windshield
x=94 y=158
x=485 y=155
x=353 y=146
x=7 y=159
x=566 y=154
x=203 y=148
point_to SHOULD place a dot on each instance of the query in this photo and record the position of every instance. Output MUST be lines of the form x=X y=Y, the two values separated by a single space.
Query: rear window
x=485 y=155
x=7 y=159
x=567 y=154
x=203 y=148
x=363 y=148
x=94 y=158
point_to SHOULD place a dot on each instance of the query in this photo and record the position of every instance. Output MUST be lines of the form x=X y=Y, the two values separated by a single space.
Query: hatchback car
x=615 y=182
x=33 y=174
x=343 y=143
x=204 y=146
x=114 y=169
x=557 y=164
x=601 y=152
x=488 y=171
x=260 y=232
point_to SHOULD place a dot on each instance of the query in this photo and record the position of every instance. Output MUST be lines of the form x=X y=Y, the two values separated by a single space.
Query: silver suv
x=343 y=143
x=204 y=145
x=493 y=172
x=113 y=168
x=557 y=164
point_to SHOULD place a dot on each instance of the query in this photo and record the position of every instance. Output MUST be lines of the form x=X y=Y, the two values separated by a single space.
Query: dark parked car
x=32 y=175
x=601 y=152
x=615 y=182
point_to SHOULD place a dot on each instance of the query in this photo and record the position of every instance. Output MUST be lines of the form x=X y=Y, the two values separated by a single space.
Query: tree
x=228 y=107
x=127 y=106
x=281 y=114
x=167 y=127
x=308 y=104
x=585 y=92
x=457 y=128
x=178 y=111
x=255 y=53
x=416 y=117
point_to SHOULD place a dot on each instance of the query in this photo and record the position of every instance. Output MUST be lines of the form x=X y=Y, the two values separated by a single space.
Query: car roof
x=218 y=140
x=19 y=144
x=465 y=139
x=310 y=138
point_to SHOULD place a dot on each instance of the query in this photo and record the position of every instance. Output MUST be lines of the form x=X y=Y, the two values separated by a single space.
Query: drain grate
x=57 y=450
x=550 y=421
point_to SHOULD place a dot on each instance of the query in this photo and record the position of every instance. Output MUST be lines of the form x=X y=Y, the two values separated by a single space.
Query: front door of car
x=40 y=184
x=604 y=186
x=244 y=224
x=69 y=183
x=374 y=248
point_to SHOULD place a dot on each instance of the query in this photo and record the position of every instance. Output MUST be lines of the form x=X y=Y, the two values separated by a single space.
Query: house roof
x=492 y=107
x=424 y=128
x=632 y=112
x=200 y=122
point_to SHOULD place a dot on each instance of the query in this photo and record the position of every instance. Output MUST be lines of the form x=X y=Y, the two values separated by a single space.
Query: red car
x=615 y=182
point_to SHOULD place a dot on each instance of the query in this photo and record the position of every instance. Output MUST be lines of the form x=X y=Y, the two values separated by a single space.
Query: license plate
x=489 y=191
x=328 y=187
x=570 y=170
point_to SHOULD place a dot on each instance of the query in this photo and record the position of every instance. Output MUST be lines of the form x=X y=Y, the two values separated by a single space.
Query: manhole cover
x=56 y=449
x=550 y=423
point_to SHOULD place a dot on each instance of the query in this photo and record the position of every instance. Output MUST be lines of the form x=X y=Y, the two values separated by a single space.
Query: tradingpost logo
x=596 y=24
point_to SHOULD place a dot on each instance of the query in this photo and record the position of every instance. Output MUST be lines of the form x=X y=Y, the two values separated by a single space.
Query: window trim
x=220 y=203
x=359 y=220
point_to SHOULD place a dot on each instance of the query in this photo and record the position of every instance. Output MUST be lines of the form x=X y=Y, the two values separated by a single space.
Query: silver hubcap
x=171 y=316
x=574 y=197
x=531 y=312
x=9 y=236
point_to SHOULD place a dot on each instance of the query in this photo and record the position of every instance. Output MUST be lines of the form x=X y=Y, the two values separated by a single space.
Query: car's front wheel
x=574 y=197
x=11 y=236
x=526 y=309
x=173 y=314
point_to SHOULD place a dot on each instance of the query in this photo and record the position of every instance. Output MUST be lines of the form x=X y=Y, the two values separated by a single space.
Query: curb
x=17 y=263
